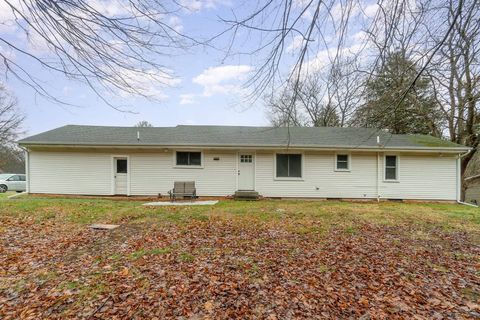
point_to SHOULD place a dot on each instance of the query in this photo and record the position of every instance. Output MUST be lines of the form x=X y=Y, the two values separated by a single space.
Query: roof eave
x=222 y=146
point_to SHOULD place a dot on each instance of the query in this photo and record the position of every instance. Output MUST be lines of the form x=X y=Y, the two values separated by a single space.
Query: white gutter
x=378 y=177
x=454 y=150
x=459 y=179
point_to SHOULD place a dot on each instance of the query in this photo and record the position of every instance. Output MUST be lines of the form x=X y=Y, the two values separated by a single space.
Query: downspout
x=378 y=169
x=459 y=179
x=27 y=168
x=378 y=177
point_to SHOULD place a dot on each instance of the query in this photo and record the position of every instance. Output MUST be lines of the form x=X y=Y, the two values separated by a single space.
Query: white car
x=12 y=182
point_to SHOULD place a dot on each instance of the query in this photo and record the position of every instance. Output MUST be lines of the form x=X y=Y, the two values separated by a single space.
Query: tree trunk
x=463 y=168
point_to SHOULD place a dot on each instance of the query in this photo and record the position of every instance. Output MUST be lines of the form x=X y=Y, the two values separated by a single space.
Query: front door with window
x=120 y=175
x=246 y=171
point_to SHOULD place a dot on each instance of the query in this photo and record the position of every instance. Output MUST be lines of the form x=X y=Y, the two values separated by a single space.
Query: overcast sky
x=206 y=89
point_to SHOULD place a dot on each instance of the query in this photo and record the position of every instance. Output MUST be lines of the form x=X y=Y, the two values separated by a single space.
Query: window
x=289 y=165
x=342 y=162
x=391 y=165
x=189 y=158
x=122 y=166
x=14 y=178
x=246 y=158
x=23 y=178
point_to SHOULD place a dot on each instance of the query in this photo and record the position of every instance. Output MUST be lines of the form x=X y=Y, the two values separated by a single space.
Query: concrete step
x=246 y=195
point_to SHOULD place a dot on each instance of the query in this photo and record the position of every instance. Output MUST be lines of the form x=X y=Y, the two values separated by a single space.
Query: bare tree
x=143 y=124
x=314 y=107
x=440 y=37
x=345 y=88
x=12 y=159
x=10 y=118
x=108 y=45
x=456 y=75
x=280 y=112
x=286 y=28
x=11 y=156
x=320 y=32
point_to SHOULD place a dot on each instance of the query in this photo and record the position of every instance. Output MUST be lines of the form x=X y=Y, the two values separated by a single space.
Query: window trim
x=302 y=171
x=397 y=168
x=349 y=161
x=183 y=166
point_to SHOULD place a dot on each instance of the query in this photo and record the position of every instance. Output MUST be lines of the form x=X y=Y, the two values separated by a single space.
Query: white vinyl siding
x=150 y=173
x=319 y=178
x=70 y=173
x=428 y=177
x=153 y=173
x=422 y=177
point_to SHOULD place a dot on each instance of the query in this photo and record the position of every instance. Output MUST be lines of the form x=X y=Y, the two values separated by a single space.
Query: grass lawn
x=264 y=259
x=6 y=194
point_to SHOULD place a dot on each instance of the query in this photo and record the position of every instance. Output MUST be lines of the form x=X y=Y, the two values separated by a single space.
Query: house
x=275 y=162
x=472 y=191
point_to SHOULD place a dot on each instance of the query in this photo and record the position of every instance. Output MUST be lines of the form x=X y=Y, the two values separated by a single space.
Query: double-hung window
x=189 y=158
x=342 y=162
x=391 y=167
x=288 y=165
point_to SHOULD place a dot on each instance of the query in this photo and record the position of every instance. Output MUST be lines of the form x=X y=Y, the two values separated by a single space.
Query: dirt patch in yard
x=275 y=264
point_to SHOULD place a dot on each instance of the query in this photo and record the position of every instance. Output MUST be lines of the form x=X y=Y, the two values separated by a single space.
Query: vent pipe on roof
x=378 y=140
x=138 y=135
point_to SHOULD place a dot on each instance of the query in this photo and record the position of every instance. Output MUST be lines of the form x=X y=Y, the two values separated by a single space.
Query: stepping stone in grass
x=100 y=226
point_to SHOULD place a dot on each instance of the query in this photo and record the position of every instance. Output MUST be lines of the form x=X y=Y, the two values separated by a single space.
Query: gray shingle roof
x=234 y=136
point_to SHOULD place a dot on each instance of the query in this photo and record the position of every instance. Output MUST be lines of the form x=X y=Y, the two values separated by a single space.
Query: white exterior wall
x=428 y=177
x=420 y=176
x=149 y=173
x=155 y=173
x=70 y=173
x=319 y=177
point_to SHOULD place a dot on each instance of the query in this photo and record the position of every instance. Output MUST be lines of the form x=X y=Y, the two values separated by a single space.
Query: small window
x=391 y=166
x=289 y=166
x=342 y=162
x=189 y=158
x=246 y=158
x=14 y=178
x=122 y=166
x=23 y=178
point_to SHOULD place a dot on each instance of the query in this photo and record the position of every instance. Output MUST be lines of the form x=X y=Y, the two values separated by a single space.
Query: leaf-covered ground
x=265 y=259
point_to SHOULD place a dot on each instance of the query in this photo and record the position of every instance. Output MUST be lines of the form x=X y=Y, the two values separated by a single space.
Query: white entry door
x=246 y=171
x=120 y=175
